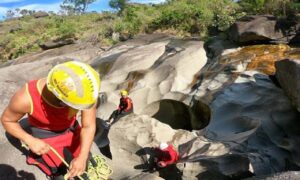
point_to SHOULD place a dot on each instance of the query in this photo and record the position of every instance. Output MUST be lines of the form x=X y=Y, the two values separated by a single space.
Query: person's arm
x=88 y=123
x=18 y=106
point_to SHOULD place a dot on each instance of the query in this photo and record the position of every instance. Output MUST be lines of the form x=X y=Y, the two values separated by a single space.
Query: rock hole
x=178 y=115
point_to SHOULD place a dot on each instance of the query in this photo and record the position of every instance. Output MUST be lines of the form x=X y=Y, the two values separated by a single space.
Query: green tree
x=274 y=7
x=24 y=12
x=119 y=5
x=253 y=6
x=75 y=6
x=10 y=14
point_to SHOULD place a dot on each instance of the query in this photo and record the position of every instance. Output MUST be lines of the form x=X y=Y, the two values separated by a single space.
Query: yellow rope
x=101 y=171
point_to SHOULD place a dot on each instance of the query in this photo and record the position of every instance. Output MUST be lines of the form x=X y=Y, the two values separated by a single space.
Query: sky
x=54 y=5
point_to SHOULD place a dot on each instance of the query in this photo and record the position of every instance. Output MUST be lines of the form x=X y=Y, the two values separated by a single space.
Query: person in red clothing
x=165 y=155
x=125 y=108
x=52 y=104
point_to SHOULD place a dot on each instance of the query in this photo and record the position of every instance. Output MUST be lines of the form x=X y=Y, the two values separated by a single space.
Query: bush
x=66 y=30
x=196 y=17
x=225 y=14
x=274 y=7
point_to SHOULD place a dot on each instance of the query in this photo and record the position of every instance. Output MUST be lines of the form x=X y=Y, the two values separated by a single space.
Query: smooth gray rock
x=288 y=75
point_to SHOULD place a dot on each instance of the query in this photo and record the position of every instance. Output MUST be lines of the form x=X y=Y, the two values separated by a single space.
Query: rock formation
x=264 y=29
x=223 y=113
x=288 y=75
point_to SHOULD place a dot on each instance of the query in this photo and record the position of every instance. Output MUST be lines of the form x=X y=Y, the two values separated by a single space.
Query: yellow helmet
x=123 y=92
x=75 y=83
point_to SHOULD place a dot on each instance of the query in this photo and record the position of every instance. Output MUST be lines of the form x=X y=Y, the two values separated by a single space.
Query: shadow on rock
x=230 y=166
x=101 y=137
x=147 y=156
x=16 y=142
x=9 y=173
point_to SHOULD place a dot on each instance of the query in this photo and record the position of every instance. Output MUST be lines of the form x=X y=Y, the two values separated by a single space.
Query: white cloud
x=9 y=1
x=2 y=12
x=55 y=7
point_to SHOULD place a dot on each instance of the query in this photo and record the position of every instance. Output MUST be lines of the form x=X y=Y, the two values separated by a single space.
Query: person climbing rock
x=125 y=108
x=52 y=104
x=165 y=155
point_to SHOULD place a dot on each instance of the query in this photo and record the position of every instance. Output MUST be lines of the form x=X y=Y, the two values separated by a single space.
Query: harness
x=44 y=133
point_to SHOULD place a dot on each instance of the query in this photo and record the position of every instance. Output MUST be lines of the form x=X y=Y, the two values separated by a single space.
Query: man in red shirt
x=51 y=105
x=165 y=155
x=125 y=108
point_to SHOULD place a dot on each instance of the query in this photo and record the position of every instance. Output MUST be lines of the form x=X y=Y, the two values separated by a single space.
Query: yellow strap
x=58 y=155
x=99 y=160
x=62 y=159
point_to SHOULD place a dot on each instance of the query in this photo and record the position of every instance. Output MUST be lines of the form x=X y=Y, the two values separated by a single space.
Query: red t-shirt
x=168 y=155
x=48 y=117
x=126 y=104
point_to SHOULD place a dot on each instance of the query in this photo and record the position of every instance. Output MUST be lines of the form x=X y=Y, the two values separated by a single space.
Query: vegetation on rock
x=200 y=18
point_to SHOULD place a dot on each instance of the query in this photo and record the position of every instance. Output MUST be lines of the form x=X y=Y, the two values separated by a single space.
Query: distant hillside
x=182 y=18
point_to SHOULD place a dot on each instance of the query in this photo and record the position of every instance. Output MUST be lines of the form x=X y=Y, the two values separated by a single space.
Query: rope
x=98 y=170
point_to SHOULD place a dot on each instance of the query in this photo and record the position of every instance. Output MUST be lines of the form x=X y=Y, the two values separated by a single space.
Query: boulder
x=259 y=29
x=288 y=75
x=56 y=44
x=40 y=14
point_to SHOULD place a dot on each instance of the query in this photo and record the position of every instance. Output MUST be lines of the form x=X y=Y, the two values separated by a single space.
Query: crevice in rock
x=178 y=115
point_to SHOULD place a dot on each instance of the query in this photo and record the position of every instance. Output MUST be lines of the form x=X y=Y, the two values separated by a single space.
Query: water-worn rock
x=288 y=75
x=132 y=135
x=291 y=175
x=260 y=29
x=251 y=127
x=163 y=69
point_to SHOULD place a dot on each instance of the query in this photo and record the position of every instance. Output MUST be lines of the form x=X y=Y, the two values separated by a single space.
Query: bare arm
x=18 y=106
x=88 y=131
x=88 y=122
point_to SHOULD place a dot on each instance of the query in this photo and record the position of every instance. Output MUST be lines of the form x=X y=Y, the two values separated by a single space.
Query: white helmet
x=163 y=145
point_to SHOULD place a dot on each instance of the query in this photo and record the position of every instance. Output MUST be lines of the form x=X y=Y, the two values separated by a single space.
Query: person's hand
x=77 y=167
x=38 y=146
x=161 y=164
